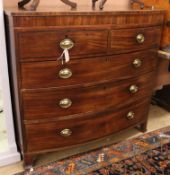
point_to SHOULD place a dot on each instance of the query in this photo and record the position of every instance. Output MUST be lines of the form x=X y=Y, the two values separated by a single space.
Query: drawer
x=87 y=71
x=66 y=102
x=125 y=40
x=66 y=133
x=46 y=45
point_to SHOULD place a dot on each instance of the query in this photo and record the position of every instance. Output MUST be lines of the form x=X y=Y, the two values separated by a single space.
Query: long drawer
x=134 y=39
x=65 y=133
x=85 y=71
x=64 y=102
x=40 y=45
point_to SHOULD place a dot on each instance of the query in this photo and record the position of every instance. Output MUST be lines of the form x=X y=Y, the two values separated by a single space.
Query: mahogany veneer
x=47 y=44
x=83 y=71
x=44 y=103
x=109 y=79
x=84 y=129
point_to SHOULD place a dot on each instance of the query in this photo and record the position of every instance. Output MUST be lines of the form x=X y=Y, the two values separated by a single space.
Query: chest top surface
x=83 y=16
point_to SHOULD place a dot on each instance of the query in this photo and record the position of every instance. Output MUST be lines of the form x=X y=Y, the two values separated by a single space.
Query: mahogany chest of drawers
x=104 y=88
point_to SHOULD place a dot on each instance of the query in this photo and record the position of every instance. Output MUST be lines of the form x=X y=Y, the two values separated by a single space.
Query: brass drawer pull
x=65 y=103
x=66 y=44
x=66 y=132
x=65 y=73
x=140 y=38
x=133 y=89
x=130 y=115
x=137 y=63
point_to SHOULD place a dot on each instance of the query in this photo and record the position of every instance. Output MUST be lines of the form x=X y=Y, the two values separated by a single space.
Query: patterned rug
x=148 y=154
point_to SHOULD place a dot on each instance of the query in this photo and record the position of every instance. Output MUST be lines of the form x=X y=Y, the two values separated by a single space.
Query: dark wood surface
x=44 y=104
x=84 y=16
x=159 y=4
x=87 y=71
x=102 y=72
x=46 y=45
x=31 y=44
x=47 y=135
x=125 y=40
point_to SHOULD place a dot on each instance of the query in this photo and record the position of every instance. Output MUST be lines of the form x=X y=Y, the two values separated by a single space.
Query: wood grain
x=46 y=45
x=159 y=4
x=84 y=19
x=47 y=135
x=44 y=104
x=125 y=40
x=86 y=71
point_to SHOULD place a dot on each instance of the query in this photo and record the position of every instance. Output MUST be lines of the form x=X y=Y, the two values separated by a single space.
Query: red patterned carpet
x=148 y=154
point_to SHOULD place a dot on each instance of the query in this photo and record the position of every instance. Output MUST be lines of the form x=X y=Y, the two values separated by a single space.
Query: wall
x=58 y=2
x=0 y=84
x=10 y=155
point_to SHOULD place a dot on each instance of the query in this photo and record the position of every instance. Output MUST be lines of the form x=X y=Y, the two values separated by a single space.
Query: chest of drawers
x=104 y=88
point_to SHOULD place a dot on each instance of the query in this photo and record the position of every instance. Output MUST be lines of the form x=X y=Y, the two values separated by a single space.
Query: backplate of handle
x=65 y=73
x=130 y=115
x=133 y=89
x=66 y=132
x=137 y=63
x=66 y=44
x=65 y=103
x=140 y=38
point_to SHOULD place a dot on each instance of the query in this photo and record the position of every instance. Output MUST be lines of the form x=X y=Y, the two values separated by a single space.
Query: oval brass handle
x=133 y=89
x=130 y=115
x=66 y=132
x=66 y=44
x=65 y=103
x=140 y=38
x=65 y=73
x=137 y=63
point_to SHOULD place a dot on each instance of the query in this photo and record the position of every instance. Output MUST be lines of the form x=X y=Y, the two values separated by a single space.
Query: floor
x=158 y=118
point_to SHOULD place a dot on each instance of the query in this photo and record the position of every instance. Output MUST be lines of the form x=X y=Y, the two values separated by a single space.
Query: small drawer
x=47 y=45
x=125 y=40
x=86 y=71
x=66 y=102
x=66 y=133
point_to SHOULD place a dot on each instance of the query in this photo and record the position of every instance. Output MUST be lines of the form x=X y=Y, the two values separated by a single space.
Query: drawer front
x=40 y=45
x=86 y=71
x=60 y=102
x=125 y=40
x=71 y=132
